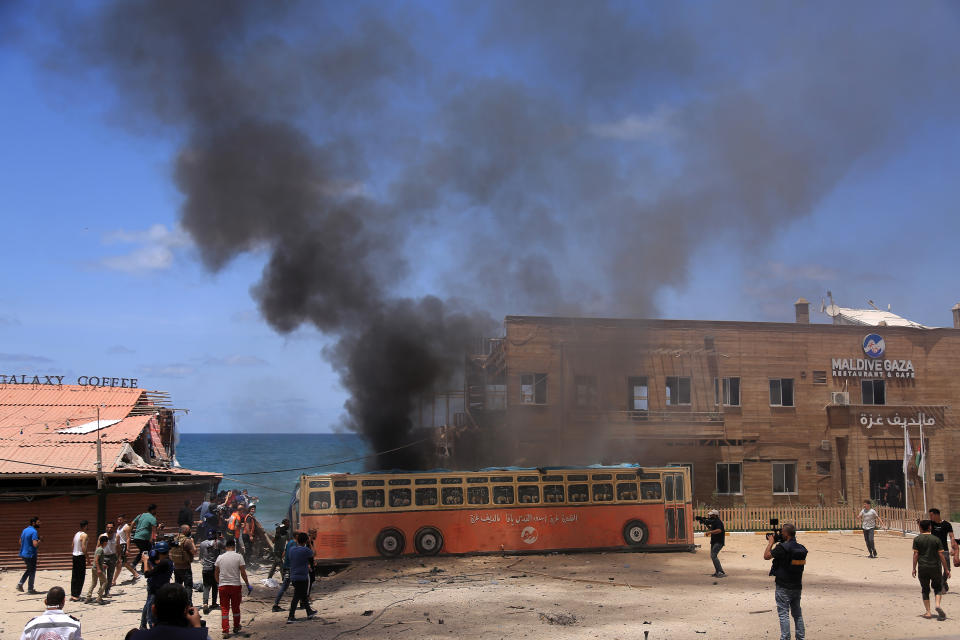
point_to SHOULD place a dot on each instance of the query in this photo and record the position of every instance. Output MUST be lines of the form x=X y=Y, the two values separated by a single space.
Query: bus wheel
x=635 y=533
x=390 y=543
x=428 y=541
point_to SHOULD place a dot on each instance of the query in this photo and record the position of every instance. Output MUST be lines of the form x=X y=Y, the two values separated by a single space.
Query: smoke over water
x=535 y=157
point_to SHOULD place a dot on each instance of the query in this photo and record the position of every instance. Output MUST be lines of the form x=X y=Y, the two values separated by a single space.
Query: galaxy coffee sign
x=874 y=365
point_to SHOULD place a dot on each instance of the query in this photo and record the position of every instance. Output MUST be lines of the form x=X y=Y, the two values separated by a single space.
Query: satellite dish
x=832 y=310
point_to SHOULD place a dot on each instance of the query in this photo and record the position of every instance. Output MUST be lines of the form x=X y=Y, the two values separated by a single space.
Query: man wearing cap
x=715 y=530
x=157 y=569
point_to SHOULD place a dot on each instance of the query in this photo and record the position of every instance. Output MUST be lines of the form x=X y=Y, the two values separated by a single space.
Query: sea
x=269 y=465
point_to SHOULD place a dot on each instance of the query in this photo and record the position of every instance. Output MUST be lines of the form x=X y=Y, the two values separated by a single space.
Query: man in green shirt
x=927 y=557
x=145 y=526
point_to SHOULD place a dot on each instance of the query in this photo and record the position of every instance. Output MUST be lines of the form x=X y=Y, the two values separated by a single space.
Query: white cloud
x=657 y=124
x=176 y=370
x=155 y=251
x=236 y=360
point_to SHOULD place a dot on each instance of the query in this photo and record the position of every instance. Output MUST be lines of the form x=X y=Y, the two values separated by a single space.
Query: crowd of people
x=931 y=561
x=222 y=539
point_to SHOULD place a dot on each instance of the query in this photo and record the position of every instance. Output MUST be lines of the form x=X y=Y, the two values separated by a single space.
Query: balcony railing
x=652 y=416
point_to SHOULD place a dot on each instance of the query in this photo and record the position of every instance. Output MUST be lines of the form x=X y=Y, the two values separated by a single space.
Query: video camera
x=701 y=520
x=775 y=532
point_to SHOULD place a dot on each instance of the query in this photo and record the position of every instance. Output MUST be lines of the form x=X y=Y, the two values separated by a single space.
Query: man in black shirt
x=716 y=531
x=185 y=517
x=943 y=530
x=789 y=558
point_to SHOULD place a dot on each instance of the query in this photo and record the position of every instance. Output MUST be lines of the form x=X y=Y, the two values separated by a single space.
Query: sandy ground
x=612 y=596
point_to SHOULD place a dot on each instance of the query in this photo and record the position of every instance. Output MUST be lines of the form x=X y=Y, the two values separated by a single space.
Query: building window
x=533 y=388
x=678 y=390
x=873 y=391
x=785 y=477
x=781 y=392
x=726 y=391
x=823 y=467
x=586 y=391
x=638 y=398
x=728 y=478
x=819 y=377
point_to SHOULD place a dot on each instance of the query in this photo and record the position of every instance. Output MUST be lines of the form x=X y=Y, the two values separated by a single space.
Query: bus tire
x=428 y=541
x=390 y=543
x=635 y=533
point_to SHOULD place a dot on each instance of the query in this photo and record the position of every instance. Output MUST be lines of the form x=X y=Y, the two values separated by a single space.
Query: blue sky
x=100 y=278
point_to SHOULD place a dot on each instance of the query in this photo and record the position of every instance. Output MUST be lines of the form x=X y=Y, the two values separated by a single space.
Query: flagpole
x=906 y=486
x=923 y=469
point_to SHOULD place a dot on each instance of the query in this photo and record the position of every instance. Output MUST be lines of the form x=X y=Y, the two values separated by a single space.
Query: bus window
x=528 y=479
x=372 y=483
x=626 y=491
x=668 y=486
x=451 y=480
x=501 y=479
x=503 y=495
x=603 y=476
x=319 y=500
x=346 y=499
x=553 y=493
x=603 y=492
x=528 y=494
x=626 y=476
x=577 y=478
x=426 y=497
x=553 y=478
x=372 y=498
x=650 y=490
x=399 y=497
x=344 y=483
x=452 y=495
x=679 y=484
x=315 y=484
x=478 y=495
x=579 y=493
x=477 y=480
x=425 y=481
x=399 y=481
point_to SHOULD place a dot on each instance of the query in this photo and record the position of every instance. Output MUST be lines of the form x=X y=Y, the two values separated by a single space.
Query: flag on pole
x=921 y=460
x=907 y=451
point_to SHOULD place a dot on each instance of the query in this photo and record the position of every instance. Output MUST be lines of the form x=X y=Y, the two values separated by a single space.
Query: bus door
x=674 y=499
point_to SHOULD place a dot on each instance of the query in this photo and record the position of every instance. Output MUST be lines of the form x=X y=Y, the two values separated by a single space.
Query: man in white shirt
x=123 y=542
x=869 y=521
x=54 y=624
x=228 y=571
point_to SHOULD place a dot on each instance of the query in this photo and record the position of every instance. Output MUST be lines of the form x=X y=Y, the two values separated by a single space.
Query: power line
x=332 y=464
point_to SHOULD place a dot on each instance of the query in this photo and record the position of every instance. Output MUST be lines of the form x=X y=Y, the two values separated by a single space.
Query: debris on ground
x=562 y=619
x=368 y=612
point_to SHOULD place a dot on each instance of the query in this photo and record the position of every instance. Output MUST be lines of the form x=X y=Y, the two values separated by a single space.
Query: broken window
x=319 y=500
x=678 y=390
x=372 y=498
x=726 y=391
x=781 y=392
x=823 y=467
x=533 y=388
x=586 y=391
x=638 y=395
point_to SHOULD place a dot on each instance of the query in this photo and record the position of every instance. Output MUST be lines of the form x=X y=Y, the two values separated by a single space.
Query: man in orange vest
x=235 y=524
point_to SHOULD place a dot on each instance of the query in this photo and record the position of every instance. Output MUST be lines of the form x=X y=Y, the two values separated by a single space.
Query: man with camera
x=177 y=618
x=789 y=558
x=715 y=530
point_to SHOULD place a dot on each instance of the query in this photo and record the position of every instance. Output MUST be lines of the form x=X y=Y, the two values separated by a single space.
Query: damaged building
x=762 y=413
x=53 y=464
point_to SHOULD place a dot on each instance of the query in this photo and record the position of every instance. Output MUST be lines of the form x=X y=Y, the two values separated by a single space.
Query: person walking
x=944 y=531
x=110 y=555
x=869 y=521
x=235 y=527
x=182 y=554
x=789 y=558
x=157 y=570
x=207 y=517
x=300 y=557
x=717 y=535
x=284 y=572
x=29 y=544
x=98 y=571
x=209 y=550
x=927 y=557
x=145 y=528
x=79 y=562
x=249 y=531
x=53 y=624
x=123 y=544
x=228 y=570
x=280 y=536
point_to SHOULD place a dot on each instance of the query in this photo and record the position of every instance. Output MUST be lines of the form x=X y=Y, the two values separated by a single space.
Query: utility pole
x=101 y=496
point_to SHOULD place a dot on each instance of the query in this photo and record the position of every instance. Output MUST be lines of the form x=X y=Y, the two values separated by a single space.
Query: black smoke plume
x=553 y=156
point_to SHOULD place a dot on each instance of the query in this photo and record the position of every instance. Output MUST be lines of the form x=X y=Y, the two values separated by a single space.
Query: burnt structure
x=763 y=413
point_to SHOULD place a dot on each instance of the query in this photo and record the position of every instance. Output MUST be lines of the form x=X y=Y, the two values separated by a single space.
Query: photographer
x=176 y=618
x=789 y=558
x=715 y=530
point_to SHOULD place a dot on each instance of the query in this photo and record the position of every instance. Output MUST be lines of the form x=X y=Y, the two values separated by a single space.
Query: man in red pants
x=228 y=571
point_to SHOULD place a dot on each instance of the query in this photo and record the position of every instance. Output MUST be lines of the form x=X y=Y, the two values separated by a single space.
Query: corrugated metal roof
x=873 y=318
x=33 y=406
x=58 y=459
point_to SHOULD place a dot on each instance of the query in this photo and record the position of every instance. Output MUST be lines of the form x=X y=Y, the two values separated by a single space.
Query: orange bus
x=388 y=514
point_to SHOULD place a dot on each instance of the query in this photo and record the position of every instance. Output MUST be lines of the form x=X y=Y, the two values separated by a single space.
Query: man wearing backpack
x=182 y=555
x=789 y=558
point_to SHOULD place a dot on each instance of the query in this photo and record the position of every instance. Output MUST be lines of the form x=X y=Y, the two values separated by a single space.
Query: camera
x=701 y=520
x=775 y=530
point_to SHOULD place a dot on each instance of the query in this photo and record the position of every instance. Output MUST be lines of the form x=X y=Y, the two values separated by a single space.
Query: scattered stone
x=562 y=619
x=368 y=612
